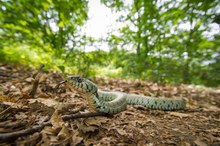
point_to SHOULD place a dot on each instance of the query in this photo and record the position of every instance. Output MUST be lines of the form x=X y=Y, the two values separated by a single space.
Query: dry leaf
x=95 y=121
x=29 y=79
x=50 y=131
x=43 y=78
x=198 y=142
x=45 y=141
x=26 y=89
x=64 y=133
x=46 y=101
x=180 y=115
x=56 y=120
x=84 y=126
x=121 y=132
x=76 y=139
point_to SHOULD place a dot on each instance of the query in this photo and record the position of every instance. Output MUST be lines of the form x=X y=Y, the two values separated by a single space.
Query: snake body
x=115 y=102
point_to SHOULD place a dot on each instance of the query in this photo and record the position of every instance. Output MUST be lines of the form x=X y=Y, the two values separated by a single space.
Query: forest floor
x=198 y=124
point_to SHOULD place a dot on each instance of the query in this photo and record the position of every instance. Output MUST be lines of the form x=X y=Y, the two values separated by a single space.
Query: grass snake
x=115 y=102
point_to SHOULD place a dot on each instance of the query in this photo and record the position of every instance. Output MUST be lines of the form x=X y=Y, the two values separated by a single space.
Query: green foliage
x=41 y=22
x=161 y=50
x=152 y=44
x=62 y=68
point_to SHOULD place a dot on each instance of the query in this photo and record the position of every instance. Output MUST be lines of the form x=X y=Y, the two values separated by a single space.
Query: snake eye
x=79 y=79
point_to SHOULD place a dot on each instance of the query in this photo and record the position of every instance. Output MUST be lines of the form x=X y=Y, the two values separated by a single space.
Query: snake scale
x=115 y=102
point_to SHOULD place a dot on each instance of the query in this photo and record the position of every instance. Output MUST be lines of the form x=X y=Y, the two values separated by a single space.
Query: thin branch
x=58 y=85
x=9 y=137
x=85 y=115
x=36 y=77
x=5 y=110
x=10 y=124
x=39 y=70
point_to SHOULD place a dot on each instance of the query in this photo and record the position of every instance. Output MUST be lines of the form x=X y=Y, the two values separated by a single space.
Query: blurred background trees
x=168 y=41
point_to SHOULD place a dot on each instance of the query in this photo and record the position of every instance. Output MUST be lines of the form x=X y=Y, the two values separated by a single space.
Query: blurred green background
x=166 y=41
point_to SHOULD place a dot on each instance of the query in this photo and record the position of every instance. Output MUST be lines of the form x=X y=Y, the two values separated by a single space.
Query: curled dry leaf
x=64 y=133
x=76 y=139
x=56 y=120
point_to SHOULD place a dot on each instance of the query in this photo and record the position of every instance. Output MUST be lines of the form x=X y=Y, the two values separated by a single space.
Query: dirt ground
x=21 y=109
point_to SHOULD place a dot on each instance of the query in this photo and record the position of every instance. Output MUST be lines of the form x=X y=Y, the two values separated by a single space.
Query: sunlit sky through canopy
x=102 y=20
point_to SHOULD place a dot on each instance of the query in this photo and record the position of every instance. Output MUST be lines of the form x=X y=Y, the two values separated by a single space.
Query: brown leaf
x=26 y=89
x=45 y=141
x=84 y=126
x=43 y=78
x=50 y=131
x=121 y=132
x=64 y=133
x=56 y=120
x=199 y=142
x=29 y=79
x=97 y=121
x=180 y=115
x=46 y=101
x=76 y=139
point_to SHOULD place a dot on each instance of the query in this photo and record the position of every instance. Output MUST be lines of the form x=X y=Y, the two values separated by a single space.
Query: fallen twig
x=58 y=85
x=10 y=124
x=36 y=77
x=38 y=71
x=5 y=110
x=9 y=137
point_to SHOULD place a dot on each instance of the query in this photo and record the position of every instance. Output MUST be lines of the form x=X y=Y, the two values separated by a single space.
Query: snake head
x=82 y=84
x=75 y=79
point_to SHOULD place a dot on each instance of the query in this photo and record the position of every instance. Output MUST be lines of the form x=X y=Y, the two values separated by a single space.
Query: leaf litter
x=198 y=125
